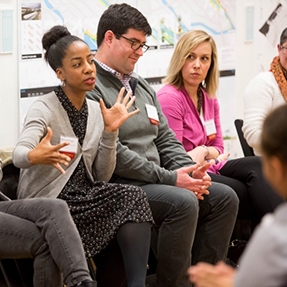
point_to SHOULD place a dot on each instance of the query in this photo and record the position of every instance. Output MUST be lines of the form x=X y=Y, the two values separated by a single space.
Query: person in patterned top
x=67 y=150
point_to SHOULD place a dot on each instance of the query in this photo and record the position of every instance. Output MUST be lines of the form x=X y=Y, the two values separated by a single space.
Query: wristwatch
x=207 y=150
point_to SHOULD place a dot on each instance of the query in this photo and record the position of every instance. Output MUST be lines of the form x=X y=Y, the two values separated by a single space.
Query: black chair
x=247 y=150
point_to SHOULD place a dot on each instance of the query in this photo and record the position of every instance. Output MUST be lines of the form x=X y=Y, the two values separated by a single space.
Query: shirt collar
x=125 y=77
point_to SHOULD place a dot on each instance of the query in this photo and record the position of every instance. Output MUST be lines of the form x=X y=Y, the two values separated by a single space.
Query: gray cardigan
x=145 y=152
x=98 y=149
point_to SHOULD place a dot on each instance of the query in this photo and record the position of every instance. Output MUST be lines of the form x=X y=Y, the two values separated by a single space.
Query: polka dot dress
x=99 y=209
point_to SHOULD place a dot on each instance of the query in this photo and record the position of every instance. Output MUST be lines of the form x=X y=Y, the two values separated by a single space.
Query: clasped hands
x=198 y=182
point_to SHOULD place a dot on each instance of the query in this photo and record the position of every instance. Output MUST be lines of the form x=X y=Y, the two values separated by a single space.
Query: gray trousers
x=44 y=230
x=189 y=230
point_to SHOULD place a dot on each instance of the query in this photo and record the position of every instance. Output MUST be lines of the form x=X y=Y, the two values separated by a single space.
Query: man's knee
x=225 y=195
x=187 y=199
x=165 y=199
x=184 y=202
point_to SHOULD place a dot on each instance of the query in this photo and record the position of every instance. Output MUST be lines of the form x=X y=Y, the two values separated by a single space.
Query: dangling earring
x=63 y=83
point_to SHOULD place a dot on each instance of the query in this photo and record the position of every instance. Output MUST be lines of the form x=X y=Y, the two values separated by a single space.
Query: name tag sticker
x=152 y=114
x=71 y=149
x=210 y=129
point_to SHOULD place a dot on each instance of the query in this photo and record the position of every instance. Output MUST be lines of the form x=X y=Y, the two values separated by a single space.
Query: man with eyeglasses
x=265 y=92
x=189 y=212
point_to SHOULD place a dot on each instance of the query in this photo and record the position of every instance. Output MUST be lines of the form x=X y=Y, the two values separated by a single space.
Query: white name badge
x=210 y=129
x=71 y=149
x=152 y=114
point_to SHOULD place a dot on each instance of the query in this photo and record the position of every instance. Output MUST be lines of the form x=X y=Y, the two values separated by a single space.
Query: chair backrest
x=247 y=150
x=9 y=182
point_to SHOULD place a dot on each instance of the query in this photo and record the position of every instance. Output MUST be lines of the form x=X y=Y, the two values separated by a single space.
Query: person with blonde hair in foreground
x=189 y=102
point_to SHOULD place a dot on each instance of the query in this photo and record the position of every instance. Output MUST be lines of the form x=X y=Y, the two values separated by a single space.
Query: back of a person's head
x=274 y=134
x=56 y=42
x=119 y=18
x=283 y=37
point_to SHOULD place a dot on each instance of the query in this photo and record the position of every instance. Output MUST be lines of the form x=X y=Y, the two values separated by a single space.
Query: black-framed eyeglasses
x=284 y=49
x=135 y=45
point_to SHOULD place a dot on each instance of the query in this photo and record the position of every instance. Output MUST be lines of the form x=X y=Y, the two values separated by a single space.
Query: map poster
x=169 y=19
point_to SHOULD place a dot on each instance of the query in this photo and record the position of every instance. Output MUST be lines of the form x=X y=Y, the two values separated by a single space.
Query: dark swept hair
x=274 y=134
x=56 y=42
x=119 y=18
x=283 y=37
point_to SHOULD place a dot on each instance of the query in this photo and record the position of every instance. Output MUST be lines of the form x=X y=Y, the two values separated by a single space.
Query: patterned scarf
x=280 y=76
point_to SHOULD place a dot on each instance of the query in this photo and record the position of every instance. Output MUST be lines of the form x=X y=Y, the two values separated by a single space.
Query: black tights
x=134 y=242
x=256 y=195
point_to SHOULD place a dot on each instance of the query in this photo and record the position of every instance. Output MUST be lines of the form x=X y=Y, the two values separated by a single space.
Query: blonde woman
x=189 y=102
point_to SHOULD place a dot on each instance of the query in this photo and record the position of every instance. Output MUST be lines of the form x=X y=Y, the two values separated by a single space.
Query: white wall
x=9 y=91
x=251 y=54
x=244 y=53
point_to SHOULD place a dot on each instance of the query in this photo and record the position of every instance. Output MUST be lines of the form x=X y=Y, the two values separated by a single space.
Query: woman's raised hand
x=118 y=113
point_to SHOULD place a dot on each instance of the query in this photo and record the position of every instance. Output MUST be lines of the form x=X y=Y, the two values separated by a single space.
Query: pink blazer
x=185 y=121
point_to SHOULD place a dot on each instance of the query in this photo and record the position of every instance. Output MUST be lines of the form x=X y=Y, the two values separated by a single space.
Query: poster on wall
x=169 y=20
x=271 y=19
x=31 y=31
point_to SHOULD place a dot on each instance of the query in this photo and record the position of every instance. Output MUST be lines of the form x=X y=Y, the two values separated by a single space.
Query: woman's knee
x=54 y=206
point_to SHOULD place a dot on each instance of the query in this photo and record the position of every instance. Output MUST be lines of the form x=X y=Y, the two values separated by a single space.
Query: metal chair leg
x=7 y=281
x=92 y=267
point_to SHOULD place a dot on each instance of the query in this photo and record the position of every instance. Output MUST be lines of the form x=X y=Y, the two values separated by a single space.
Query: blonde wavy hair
x=188 y=42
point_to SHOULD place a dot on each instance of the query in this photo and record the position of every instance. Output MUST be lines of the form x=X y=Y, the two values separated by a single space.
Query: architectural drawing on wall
x=169 y=19
x=272 y=27
x=270 y=17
